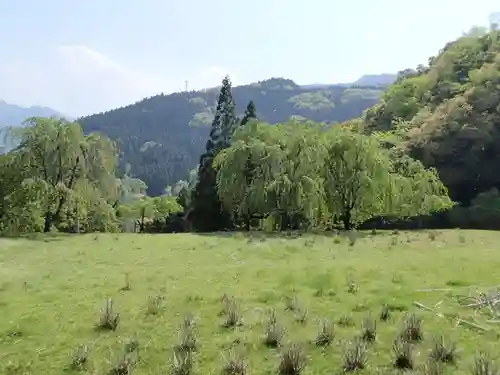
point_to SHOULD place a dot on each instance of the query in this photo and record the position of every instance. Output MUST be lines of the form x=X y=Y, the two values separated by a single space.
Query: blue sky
x=84 y=56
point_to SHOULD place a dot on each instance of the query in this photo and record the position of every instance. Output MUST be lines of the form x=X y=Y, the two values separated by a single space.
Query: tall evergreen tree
x=250 y=113
x=249 y=168
x=207 y=213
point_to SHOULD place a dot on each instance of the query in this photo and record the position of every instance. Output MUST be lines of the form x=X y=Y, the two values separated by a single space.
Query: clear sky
x=84 y=56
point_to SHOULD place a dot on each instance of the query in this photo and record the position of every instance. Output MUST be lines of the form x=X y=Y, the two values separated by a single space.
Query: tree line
x=252 y=175
x=423 y=156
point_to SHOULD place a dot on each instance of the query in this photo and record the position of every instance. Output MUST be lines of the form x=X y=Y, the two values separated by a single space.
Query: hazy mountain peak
x=14 y=115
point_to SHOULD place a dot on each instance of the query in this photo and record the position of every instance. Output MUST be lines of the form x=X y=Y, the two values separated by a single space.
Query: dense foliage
x=162 y=137
x=447 y=115
x=60 y=178
x=306 y=175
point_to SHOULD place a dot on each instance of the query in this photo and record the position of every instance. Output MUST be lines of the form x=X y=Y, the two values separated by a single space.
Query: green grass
x=52 y=290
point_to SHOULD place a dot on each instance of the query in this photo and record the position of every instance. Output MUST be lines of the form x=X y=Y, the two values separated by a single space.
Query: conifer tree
x=207 y=213
x=249 y=168
x=250 y=113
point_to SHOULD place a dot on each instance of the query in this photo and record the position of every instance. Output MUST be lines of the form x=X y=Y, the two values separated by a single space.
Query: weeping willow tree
x=297 y=187
x=356 y=177
x=60 y=165
x=362 y=180
x=272 y=171
x=245 y=170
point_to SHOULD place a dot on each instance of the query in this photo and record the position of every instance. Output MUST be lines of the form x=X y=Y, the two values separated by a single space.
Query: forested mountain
x=162 y=137
x=447 y=115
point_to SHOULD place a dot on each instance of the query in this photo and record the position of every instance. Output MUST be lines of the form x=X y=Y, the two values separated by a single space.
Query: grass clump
x=326 y=333
x=182 y=361
x=412 y=328
x=234 y=364
x=385 y=313
x=355 y=356
x=187 y=334
x=293 y=304
x=128 y=359
x=443 y=351
x=292 y=361
x=352 y=287
x=432 y=367
x=403 y=354
x=369 y=329
x=345 y=321
x=232 y=314
x=484 y=365
x=274 y=331
x=154 y=305
x=108 y=319
x=80 y=358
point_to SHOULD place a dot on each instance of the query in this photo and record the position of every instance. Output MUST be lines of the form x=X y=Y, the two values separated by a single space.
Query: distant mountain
x=14 y=115
x=161 y=138
x=377 y=80
x=384 y=79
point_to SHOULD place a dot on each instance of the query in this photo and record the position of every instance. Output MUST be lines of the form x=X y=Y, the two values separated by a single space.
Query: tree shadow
x=38 y=237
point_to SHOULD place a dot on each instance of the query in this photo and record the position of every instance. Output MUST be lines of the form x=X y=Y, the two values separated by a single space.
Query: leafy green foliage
x=303 y=174
x=451 y=113
x=58 y=176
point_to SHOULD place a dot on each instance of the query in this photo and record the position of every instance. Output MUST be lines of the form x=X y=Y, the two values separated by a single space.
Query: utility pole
x=185 y=86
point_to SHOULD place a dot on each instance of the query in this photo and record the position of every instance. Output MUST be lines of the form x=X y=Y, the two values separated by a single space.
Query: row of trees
x=292 y=175
x=302 y=174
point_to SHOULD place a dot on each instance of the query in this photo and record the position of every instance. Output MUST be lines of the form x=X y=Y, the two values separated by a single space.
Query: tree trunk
x=248 y=219
x=141 y=225
x=47 y=222
x=346 y=219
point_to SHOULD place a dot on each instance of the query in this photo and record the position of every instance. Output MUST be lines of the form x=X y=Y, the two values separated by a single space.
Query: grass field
x=52 y=291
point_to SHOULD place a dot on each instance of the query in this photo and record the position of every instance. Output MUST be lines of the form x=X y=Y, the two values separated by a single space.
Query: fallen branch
x=473 y=325
x=423 y=307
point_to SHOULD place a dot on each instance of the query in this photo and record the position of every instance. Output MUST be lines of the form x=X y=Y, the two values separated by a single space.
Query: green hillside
x=162 y=137
x=447 y=115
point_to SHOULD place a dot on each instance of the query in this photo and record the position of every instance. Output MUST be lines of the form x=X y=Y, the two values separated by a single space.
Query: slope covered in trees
x=162 y=137
x=447 y=115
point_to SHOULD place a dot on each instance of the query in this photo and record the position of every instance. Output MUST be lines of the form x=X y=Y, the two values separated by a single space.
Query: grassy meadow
x=52 y=290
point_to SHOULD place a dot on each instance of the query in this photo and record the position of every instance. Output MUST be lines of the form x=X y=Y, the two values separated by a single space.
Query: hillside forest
x=423 y=155
x=162 y=137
